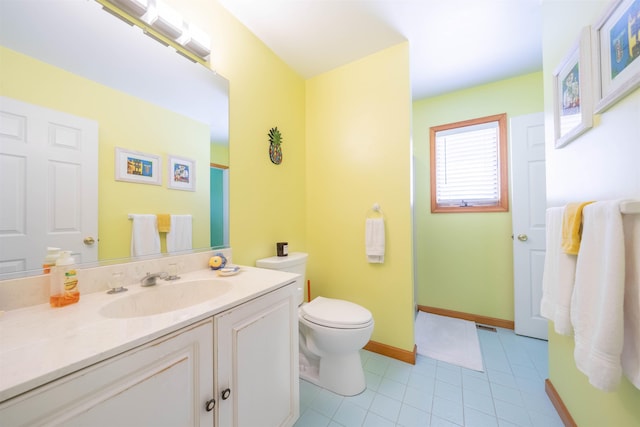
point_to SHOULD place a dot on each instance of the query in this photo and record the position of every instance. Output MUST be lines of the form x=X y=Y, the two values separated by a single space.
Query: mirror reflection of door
x=219 y=199
x=48 y=185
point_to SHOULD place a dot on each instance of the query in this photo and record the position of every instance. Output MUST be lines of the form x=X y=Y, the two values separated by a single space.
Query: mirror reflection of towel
x=145 y=239
x=374 y=240
x=164 y=223
x=179 y=238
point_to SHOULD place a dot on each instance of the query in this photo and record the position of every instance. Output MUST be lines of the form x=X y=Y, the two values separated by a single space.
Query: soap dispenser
x=64 y=282
x=50 y=259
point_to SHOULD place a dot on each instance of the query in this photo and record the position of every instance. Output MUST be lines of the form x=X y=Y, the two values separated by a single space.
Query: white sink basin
x=164 y=297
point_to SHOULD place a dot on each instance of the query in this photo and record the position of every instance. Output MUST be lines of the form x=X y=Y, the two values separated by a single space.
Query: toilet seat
x=335 y=313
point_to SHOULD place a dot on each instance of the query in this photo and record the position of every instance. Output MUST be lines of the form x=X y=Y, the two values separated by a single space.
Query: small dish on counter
x=228 y=271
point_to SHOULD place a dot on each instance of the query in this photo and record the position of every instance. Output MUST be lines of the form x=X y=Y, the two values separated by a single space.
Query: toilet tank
x=295 y=262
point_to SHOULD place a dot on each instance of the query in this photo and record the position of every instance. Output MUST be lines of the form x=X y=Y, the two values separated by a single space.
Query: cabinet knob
x=210 y=405
x=226 y=393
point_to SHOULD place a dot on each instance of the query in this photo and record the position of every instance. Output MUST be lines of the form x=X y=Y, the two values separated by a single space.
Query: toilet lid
x=336 y=313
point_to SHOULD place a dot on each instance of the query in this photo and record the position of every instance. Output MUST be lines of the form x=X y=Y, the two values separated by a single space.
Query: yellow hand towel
x=572 y=227
x=164 y=223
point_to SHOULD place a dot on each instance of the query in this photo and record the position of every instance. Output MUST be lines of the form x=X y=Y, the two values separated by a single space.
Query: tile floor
x=431 y=393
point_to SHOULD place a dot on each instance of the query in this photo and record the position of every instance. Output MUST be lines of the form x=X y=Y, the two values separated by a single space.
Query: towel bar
x=630 y=207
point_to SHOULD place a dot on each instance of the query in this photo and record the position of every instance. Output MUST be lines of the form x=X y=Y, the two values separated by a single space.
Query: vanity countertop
x=39 y=344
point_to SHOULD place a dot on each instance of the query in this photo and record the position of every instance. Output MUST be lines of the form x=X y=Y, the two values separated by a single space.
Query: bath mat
x=448 y=339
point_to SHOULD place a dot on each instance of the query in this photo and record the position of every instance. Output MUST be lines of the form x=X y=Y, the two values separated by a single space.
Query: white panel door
x=48 y=185
x=528 y=216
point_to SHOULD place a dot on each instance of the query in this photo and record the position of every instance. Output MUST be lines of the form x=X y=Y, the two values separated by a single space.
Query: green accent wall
x=464 y=261
x=601 y=164
x=220 y=153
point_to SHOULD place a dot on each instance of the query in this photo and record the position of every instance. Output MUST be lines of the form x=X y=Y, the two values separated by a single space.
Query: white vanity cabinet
x=237 y=367
x=166 y=382
x=256 y=362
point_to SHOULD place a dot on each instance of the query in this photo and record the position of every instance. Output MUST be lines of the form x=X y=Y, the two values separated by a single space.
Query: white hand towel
x=179 y=237
x=374 y=240
x=598 y=296
x=631 y=346
x=558 y=276
x=145 y=239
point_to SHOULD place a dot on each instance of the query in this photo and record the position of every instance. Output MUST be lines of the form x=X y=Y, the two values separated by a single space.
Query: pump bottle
x=64 y=282
x=50 y=259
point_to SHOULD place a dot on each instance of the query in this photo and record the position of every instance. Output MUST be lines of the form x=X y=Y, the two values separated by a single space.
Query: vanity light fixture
x=197 y=41
x=164 y=19
x=164 y=24
x=136 y=8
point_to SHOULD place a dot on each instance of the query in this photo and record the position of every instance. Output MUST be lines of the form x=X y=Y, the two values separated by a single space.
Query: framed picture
x=134 y=166
x=618 y=43
x=182 y=173
x=572 y=100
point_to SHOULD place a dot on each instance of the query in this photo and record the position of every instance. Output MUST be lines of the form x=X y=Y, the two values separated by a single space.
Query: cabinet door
x=257 y=362
x=163 y=383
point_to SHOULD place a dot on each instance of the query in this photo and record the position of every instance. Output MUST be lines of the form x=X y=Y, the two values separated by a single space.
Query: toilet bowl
x=331 y=334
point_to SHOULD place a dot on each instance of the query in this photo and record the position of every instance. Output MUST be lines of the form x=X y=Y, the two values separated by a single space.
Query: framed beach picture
x=618 y=47
x=182 y=173
x=572 y=83
x=134 y=166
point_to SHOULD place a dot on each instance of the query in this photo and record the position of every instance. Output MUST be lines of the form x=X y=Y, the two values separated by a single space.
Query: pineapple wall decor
x=275 y=150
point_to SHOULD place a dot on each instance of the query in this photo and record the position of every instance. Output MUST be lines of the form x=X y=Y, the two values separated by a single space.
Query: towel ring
x=376 y=210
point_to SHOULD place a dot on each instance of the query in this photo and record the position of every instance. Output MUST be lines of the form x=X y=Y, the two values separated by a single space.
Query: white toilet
x=332 y=332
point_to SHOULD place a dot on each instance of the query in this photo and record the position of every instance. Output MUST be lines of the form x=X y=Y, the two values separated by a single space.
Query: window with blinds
x=468 y=166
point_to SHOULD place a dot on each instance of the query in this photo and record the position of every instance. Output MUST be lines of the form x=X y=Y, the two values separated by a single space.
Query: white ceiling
x=454 y=44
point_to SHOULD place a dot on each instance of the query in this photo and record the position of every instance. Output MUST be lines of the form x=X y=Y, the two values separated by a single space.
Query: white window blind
x=467 y=165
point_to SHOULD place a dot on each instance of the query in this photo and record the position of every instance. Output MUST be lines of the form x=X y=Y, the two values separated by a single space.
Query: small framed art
x=134 y=166
x=618 y=47
x=182 y=173
x=572 y=100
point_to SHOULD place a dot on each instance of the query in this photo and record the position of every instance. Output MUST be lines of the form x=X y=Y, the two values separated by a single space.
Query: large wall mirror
x=74 y=60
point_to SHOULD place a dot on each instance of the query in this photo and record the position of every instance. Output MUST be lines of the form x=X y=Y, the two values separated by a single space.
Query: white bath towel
x=558 y=276
x=631 y=346
x=180 y=236
x=598 y=296
x=374 y=240
x=145 y=239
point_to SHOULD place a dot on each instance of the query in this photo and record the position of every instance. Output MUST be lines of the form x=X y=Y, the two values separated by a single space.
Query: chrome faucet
x=150 y=278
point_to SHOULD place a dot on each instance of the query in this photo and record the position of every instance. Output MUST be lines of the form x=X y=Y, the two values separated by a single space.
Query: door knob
x=89 y=241
x=523 y=237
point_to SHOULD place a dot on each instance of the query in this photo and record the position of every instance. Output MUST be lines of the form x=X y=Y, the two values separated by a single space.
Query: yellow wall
x=124 y=121
x=464 y=262
x=358 y=154
x=267 y=202
x=599 y=165
x=270 y=203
